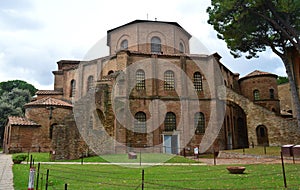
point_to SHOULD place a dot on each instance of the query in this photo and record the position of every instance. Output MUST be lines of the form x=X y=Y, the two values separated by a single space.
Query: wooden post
x=143 y=179
x=37 y=176
x=283 y=170
x=47 y=178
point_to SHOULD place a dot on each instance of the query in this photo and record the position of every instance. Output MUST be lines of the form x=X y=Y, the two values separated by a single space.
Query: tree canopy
x=9 y=85
x=250 y=26
x=13 y=96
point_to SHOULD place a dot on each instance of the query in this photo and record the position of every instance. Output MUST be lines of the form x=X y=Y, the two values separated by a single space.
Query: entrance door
x=171 y=144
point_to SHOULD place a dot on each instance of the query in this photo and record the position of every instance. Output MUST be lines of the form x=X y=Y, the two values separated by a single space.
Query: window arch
x=140 y=79
x=262 y=135
x=170 y=122
x=272 y=96
x=90 y=83
x=199 y=121
x=181 y=47
x=155 y=45
x=256 y=95
x=169 y=80
x=140 y=122
x=124 y=44
x=198 y=81
x=110 y=72
x=73 y=88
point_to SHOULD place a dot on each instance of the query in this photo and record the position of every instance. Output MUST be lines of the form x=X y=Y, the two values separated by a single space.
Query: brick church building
x=151 y=93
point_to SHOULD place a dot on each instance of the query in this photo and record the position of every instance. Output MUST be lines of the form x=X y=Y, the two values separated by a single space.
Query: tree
x=12 y=101
x=282 y=80
x=250 y=26
x=9 y=85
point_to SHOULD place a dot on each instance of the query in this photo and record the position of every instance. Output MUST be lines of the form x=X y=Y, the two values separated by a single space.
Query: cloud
x=17 y=15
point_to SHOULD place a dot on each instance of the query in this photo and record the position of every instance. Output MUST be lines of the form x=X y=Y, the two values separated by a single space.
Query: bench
x=132 y=155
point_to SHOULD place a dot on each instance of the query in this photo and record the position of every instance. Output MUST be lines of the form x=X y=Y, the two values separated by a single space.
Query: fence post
x=37 y=176
x=66 y=186
x=283 y=170
x=143 y=179
x=31 y=179
x=47 y=177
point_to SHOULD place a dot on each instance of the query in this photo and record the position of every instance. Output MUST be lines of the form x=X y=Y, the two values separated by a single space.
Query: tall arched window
x=155 y=45
x=170 y=121
x=256 y=94
x=198 y=81
x=181 y=47
x=90 y=83
x=272 y=96
x=124 y=44
x=199 y=121
x=140 y=122
x=73 y=88
x=169 y=80
x=140 y=80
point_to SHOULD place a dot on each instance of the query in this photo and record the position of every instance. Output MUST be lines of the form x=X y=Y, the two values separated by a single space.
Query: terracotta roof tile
x=48 y=92
x=21 y=121
x=49 y=101
x=258 y=73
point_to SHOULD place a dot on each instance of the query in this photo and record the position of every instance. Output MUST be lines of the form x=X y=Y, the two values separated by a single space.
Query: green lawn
x=118 y=158
x=90 y=177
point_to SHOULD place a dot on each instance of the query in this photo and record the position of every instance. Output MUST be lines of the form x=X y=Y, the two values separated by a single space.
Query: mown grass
x=86 y=177
x=116 y=158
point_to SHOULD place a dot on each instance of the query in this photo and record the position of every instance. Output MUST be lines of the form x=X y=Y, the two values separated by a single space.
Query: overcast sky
x=35 y=34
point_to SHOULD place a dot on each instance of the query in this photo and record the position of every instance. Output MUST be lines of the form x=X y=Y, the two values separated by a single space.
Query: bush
x=19 y=158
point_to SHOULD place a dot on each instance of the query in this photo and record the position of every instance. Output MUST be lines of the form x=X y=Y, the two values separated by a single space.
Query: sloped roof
x=48 y=92
x=49 y=101
x=21 y=121
x=257 y=73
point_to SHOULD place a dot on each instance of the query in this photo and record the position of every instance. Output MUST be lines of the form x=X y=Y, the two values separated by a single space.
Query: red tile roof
x=258 y=73
x=49 y=101
x=21 y=121
x=48 y=92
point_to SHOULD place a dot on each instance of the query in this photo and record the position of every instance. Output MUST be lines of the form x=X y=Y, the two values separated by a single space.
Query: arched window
x=198 y=81
x=272 y=96
x=262 y=135
x=169 y=80
x=73 y=88
x=155 y=45
x=110 y=72
x=140 y=80
x=256 y=94
x=51 y=131
x=90 y=83
x=199 y=121
x=181 y=47
x=170 y=121
x=124 y=44
x=140 y=122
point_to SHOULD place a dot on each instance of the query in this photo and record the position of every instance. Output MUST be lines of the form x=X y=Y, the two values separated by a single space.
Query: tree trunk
x=295 y=96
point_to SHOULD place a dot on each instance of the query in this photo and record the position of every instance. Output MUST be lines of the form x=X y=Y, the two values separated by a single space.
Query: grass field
x=261 y=176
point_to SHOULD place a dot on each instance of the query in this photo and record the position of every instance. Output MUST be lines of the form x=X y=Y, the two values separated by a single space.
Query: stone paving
x=6 y=174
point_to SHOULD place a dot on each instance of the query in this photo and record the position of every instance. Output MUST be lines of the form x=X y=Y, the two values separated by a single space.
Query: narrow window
x=155 y=45
x=124 y=44
x=272 y=94
x=73 y=88
x=140 y=122
x=140 y=80
x=169 y=81
x=181 y=47
x=170 y=121
x=198 y=81
x=256 y=95
x=199 y=121
x=90 y=83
